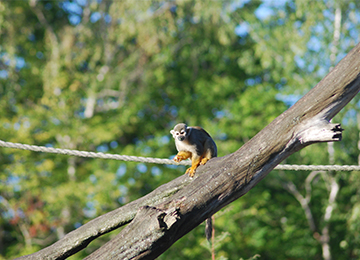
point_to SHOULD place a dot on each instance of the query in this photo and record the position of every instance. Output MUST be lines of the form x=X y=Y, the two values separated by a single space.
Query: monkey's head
x=180 y=131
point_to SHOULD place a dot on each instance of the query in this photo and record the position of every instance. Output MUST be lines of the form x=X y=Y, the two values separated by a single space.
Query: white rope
x=294 y=167
x=45 y=149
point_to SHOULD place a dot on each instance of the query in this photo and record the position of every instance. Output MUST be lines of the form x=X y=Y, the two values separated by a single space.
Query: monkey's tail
x=208 y=228
x=210 y=234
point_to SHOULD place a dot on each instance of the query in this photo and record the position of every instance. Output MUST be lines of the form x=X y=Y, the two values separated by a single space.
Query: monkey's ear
x=172 y=132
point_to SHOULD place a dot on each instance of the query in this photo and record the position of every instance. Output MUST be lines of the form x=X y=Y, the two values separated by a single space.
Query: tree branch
x=161 y=222
x=304 y=202
x=223 y=180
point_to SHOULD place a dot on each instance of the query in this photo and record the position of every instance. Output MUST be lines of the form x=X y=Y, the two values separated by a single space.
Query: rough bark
x=162 y=220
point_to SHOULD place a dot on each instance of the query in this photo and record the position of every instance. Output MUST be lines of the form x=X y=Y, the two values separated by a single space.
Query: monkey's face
x=179 y=132
x=181 y=135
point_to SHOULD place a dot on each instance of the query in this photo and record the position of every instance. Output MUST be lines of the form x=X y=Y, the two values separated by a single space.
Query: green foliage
x=115 y=76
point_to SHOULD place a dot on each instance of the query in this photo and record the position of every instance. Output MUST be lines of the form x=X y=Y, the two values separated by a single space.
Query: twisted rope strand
x=100 y=155
x=129 y=158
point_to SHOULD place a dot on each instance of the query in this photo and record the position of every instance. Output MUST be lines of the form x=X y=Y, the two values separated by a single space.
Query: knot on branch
x=158 y=218
x=168 y=218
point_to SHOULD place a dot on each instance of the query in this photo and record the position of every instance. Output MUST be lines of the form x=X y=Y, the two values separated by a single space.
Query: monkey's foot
x=204 y=160
x=179 y=158
x=191 y=171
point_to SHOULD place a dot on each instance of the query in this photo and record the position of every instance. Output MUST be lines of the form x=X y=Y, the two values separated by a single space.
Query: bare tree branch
x=308 y=182
x=304 y=202
x=323 y=236
x=162 y=220
x=225 y=179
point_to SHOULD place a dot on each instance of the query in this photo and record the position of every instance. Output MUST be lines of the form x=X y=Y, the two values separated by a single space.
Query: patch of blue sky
x=163 y=140
x=314 y=44
x=91 y=204
x=26 y=123
x=4 y=57
x=297 y=25
x=266 y=8
x=222 y=136
x=4 y=74
x=253 y=81
x=357 y=15
x=17 y=126
x=81 y=2
x=238 y=4
x=77 y=225
x=141 y=167
x=93 y=178
x=328 y=13
x=146 y=150
x=102 y=148
x=120 y=172
x=107 y=18
x=74 y=19
x=350 y=117
x=123 y=189
x=263 y=12
x=74 y=10
x=242 y=29
x=89 y=213
x=94 y=17
x=155 y=171
x=173 y=111
x=39 y=55
x=219 y=113
x=20 y=62
x=131 y=181
x=354 y=34
x=55 y=121
x=8 y=214
x=289 y=100
x=322 y=71
x=114 y=144
x=300 y=62
x=31 y=37
x=319 y=28
x=72 y=7
x=14 y=181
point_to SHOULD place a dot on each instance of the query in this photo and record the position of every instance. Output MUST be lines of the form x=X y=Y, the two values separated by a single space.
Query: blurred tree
x=298 y=43
x=115 y=76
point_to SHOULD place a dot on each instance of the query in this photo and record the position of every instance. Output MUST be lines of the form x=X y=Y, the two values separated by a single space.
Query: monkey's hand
x=182 y=155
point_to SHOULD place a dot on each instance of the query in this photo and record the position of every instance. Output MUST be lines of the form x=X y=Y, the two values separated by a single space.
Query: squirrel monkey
x=195 y=143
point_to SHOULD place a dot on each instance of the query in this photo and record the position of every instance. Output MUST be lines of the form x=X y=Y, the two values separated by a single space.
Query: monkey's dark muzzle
x=181 y=138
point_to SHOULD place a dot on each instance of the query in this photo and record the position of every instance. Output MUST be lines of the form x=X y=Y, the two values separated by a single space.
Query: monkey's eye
x=177 y=133
x=182 y=132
